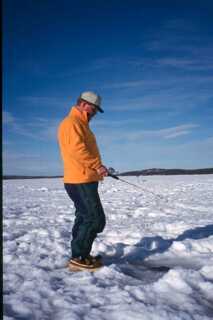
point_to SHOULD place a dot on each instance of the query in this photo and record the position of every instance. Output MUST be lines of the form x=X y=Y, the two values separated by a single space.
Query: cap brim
x=99 y=109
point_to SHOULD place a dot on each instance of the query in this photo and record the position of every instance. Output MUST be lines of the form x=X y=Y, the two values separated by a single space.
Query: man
x=83 y=169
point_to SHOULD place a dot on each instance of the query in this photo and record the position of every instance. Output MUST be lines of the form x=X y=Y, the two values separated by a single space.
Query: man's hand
x=102 y=171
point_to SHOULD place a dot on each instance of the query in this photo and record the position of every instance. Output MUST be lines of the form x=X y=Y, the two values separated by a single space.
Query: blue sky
x=151 y=61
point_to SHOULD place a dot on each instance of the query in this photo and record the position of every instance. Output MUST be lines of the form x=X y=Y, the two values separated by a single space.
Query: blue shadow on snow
x=148 y=246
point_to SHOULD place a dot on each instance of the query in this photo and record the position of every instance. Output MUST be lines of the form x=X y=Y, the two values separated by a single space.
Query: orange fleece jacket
x=78 y=148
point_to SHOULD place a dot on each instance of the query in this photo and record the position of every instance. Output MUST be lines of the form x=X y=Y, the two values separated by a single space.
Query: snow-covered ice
x=157 y=247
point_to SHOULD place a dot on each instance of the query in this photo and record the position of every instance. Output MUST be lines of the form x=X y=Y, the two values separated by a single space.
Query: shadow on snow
x=148 y=246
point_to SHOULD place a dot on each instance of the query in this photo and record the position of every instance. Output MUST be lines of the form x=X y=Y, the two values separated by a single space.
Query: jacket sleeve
x=79 y=150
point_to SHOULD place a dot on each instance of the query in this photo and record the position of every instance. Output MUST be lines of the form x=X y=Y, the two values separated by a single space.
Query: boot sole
x=76 y=268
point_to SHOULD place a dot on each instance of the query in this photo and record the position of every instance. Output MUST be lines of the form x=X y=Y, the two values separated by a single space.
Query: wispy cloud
x=40 y=129
x=193 y=64
x=176 y=99
x=13 y=124
x=175 y=132
x=112 y=123
x=48 y=128
x=45 y=101
x=108 y=137
x=165 y=133
x=179 y=32
x=15 y=162
x=177 y=44
x=8 y=118
x=29 y=156
x=163 y=81
x=143 y=154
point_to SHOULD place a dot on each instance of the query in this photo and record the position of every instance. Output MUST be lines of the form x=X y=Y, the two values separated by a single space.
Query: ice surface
x=157 y=247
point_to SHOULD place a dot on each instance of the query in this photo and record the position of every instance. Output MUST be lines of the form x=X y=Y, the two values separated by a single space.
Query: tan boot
x=79 y=264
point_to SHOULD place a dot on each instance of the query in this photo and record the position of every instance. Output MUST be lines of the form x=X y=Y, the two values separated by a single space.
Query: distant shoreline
x=15 y=177
x=155 y=171
x=146 y=172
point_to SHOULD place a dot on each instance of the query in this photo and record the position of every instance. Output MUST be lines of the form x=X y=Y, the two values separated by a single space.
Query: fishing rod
x=134 y=185
x=117 y=178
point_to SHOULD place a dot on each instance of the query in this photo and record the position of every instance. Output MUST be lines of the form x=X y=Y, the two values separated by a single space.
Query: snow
x=157 y=247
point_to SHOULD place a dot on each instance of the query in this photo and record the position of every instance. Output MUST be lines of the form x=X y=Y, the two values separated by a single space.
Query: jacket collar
x=81 y=115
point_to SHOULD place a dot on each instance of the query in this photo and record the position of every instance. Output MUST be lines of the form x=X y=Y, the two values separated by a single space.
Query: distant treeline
x=29 y=177
x=146 y=172
x=149 y=172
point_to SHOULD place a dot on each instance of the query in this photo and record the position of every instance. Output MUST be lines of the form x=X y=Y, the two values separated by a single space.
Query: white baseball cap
x=93 y=98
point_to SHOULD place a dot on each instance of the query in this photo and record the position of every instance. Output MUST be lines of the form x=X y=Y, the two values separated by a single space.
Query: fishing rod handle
x=113 y=176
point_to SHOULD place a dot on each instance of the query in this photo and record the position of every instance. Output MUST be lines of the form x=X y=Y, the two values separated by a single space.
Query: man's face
x=90 y=109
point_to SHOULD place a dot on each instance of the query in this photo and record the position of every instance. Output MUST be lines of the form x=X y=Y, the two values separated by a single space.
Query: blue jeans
x=89 y=217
